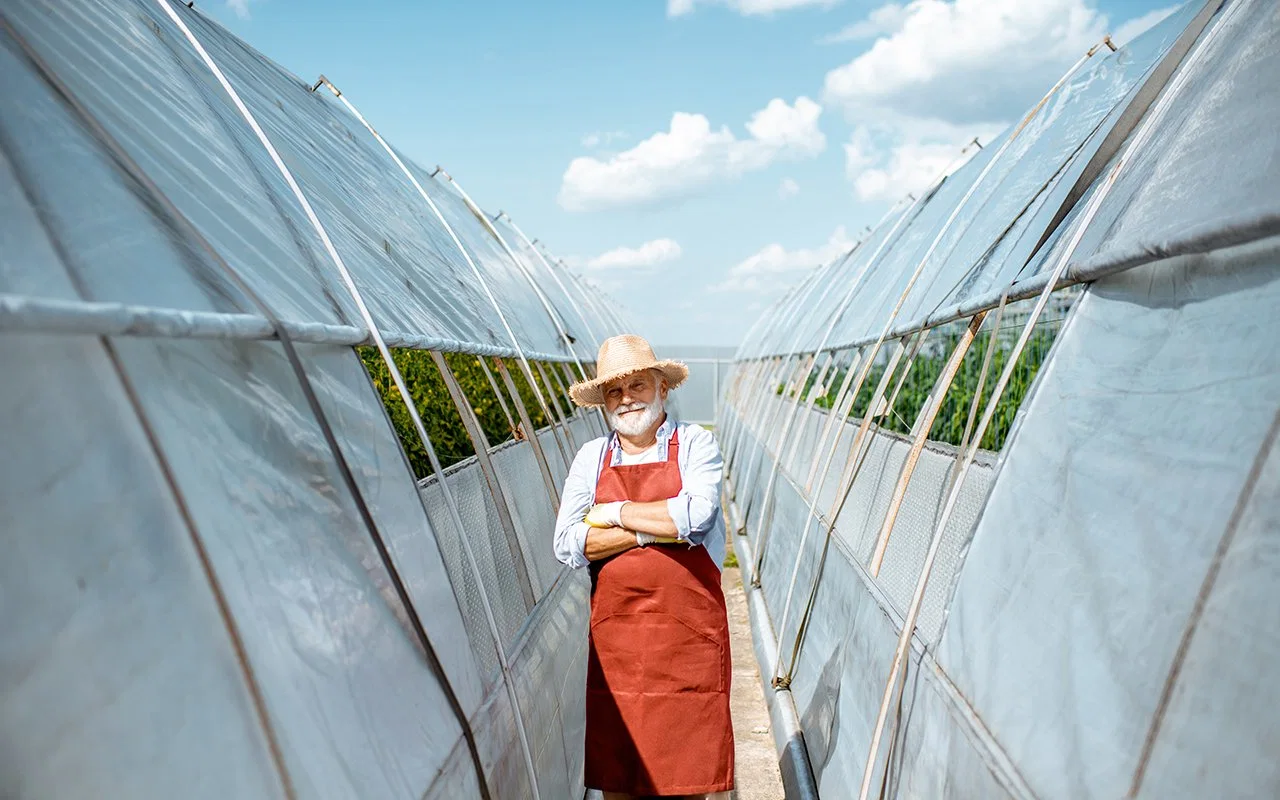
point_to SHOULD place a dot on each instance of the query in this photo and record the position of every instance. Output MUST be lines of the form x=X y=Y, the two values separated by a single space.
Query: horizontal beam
x=1194 y=242
x=21 y=313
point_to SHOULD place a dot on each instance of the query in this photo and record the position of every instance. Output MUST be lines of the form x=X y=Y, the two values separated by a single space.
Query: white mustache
x=623 y=409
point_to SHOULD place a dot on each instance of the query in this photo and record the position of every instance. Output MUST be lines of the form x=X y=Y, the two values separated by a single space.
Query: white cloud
x=679 y=8
x=967 y=60
x=1139 y=25
x=788 y=188
x=239 y=7
x=782 y=129
x=692 y=155
x=648 y=254
x=906 y=156
x=941 y=73
x=883 y=20
x=773 y=265
x=602 y=138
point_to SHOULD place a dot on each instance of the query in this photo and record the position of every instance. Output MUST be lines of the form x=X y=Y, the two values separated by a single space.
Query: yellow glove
x=605 y=515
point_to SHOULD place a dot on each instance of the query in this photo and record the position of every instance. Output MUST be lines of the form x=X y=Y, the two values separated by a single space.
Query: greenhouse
x=1005 y=471
x=288 y=423
x=221 y=579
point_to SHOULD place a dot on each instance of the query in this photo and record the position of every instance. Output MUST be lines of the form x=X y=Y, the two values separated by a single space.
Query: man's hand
x=605 y=515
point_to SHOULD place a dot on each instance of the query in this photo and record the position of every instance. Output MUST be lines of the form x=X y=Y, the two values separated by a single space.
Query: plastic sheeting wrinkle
x=1202 y=600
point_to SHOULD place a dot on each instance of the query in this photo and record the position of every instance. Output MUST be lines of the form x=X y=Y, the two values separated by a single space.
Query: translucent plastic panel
x=1227 y=637
x=101 y=225
x=378 y=464
x=999 y=225
x=29 y=264
x=400 y=254
x=118 y=677
x=356 y=707
x=147 y=86
x=526 y=315
x=563 y=292
x=1203 y=172
x=120 y=63
x=1114 y=493
x=888 y=278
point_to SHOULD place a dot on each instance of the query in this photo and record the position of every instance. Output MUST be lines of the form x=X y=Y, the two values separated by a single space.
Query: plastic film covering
x=313 y=603
x=798 y=316
x=132 y=599
x=866 y=502
x=67 y=185
x=1225 y=639
x=1208 y=138
x=1090 y=625
x=1026 y=174
x=1165 y=367
x=152 y=105
x=230 y=628
x=561 y=288
x=522 y=309
x=1003 y=220
x=147 y=87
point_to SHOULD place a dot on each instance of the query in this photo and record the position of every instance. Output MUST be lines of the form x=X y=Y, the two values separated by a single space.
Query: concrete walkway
x=756 y=760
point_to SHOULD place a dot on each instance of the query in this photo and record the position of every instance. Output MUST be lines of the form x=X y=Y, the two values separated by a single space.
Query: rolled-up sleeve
x=697 y=507
x=576 y=499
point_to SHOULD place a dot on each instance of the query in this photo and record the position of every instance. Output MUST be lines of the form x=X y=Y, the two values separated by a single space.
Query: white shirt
x=650 y=455
x=695 y=510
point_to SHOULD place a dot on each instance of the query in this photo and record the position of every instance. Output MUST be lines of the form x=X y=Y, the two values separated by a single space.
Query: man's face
x=636 y=402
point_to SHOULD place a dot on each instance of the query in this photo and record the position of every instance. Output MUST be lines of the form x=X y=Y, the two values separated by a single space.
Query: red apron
x=659 y=667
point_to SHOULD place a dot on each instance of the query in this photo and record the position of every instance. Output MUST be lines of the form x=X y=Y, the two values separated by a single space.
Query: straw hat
x=621 y=356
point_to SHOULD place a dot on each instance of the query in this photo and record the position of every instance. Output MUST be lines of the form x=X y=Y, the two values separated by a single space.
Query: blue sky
x=692 y=157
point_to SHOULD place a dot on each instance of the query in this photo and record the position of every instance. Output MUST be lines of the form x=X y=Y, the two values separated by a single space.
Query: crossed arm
x=651 y=518
x=688 y=516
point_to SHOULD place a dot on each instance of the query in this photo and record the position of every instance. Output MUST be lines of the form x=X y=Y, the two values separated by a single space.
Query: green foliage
x=954 y=414
x=436 y=408
x=475 y=385
x=430 y=397
x=536 y=415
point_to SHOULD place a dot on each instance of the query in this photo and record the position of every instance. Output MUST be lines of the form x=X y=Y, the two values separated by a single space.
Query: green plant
x=435 y=406
x=950 y=422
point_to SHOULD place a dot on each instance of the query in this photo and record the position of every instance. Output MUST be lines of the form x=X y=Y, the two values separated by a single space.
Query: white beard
x=633 y=425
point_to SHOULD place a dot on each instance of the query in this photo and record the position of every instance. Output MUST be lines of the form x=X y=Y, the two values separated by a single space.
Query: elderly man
x=641 y=509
